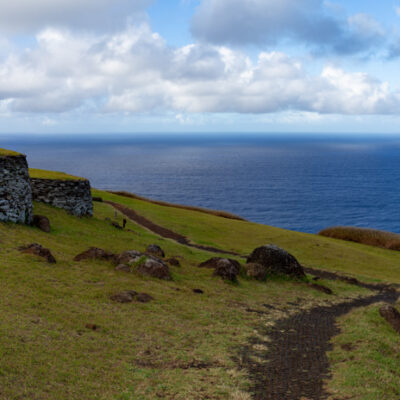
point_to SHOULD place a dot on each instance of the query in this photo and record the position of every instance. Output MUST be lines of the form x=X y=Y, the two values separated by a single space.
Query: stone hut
x=15 y=189
x=63 y=191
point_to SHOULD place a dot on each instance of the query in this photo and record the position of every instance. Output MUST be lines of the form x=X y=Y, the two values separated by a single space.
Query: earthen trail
x=293 y=362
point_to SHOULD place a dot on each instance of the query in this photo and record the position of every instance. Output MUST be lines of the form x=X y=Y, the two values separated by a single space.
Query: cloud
x=25 y=16
x=268 y=22
x=398 y=11
x=134 y=71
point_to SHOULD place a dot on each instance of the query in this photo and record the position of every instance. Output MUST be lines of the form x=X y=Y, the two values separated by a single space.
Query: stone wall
x=71 y=195
x=15 y=190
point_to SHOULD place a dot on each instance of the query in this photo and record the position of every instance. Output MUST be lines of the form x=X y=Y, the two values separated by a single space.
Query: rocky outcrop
x=73 y=195
x=15 y=190
x=276 y=261
x=226 y=268
x=38 y=250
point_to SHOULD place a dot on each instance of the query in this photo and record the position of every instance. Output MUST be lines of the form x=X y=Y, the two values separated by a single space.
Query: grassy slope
x=141 y=350
x=44 y=174
x=5 y=152
x=366 y=262
x=366 y=358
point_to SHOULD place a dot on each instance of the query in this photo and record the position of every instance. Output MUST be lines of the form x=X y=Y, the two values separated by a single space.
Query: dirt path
x=289 y=361
x=164 y=232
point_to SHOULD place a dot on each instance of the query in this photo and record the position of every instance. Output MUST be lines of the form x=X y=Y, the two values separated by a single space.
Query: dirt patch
x=288 y=361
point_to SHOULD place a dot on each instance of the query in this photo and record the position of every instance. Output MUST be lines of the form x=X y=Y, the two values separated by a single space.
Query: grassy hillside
x=181 y=346
x=44 y=174
x=5 y=152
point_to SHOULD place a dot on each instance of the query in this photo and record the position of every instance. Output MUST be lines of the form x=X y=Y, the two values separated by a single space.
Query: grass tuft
x=371 y=237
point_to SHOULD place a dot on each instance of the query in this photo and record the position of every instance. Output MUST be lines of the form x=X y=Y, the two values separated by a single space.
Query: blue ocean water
x=304 y=183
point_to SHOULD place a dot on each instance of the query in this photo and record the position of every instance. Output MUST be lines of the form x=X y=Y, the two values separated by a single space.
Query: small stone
x=198 y=291
x=174 y=262
x=155 y=250
x=92 y=327
x=144 y=298
x=98 y=199
x=124 y=297
x=115 y=224
x=41 y=222
x=94 y=253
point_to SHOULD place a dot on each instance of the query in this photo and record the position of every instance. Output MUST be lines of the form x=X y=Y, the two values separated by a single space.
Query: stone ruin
x=18 y=190
x=15 y=189
x=74 y=196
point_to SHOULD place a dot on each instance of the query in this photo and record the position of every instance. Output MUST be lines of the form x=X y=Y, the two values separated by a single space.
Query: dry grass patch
x=8 y=153
x=371 y=237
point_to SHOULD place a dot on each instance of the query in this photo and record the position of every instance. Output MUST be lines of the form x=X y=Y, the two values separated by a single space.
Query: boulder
x=256 y=271
x=154 y=268
x=227 y=269
x=38 y=250
x=129 y=257
x=94 y=253
x=41 y=222
x=276 y=261
x=155 y=250
x=391 y=315
x=124 y=297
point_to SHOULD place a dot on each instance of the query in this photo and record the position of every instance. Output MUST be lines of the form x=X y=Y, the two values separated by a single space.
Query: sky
x=182 y=66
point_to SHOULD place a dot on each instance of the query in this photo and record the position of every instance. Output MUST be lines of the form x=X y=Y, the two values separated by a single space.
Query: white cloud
x=134 y=71
x=268 y=22
x=30 y=15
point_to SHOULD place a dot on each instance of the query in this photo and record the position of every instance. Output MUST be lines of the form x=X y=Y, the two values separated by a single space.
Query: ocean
x=299 y=182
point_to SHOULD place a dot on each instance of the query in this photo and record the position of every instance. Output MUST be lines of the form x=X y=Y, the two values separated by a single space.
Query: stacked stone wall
x=15 y=190
x=74 y=196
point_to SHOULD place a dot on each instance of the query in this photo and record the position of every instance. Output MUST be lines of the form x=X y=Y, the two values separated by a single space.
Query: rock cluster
x=74 y=196
x=226 y=268
x=15 y=190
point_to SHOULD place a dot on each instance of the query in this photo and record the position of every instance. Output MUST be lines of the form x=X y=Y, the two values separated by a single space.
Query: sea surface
x=299 y=182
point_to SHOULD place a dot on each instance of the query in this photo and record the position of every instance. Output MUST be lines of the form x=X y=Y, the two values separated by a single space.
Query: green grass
x=54 y=175
x=8 y=153
x=141 y=351
x=367 y=367
x=365 y=262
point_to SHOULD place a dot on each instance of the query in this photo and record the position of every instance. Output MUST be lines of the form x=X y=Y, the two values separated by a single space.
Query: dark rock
x=124 y=297
x=226 y=268
x=123 y=268
x=92 y=327
x=98 y=199
x=256 y=271
x=391 y=315
x=144 y=298
x=155 y=250
x=154 y=268
x=41 y=222
x=38 y=250
x=174 y=262
x=94 y=253
x=276 y=261
x=198 y=291
x=128 y=257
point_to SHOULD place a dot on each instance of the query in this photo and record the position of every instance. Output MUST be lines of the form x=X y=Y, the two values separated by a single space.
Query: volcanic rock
x=155 y=250
x=276 y=261
x=94 y=253
x=154 y=268
x=38 y=250
x=41 y=222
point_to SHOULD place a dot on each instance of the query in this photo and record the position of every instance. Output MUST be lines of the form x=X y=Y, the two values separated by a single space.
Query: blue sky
x=127 y=66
